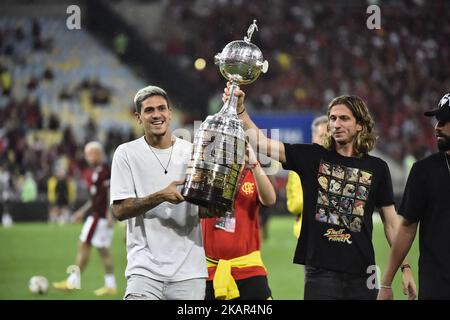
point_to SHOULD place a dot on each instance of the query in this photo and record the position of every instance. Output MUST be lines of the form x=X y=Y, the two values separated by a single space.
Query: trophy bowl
x=241 y=62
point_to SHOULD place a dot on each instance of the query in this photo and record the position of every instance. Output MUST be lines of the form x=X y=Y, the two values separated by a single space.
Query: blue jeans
x=144 y=288
x=324 y=284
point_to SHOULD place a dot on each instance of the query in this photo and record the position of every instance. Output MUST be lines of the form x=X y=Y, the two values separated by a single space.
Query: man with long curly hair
x=337 y=252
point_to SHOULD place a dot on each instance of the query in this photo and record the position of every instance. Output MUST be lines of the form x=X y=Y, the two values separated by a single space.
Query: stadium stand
x=56 y=96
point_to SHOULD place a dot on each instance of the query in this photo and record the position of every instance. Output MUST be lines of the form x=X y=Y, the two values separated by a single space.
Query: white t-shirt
x=165 y=243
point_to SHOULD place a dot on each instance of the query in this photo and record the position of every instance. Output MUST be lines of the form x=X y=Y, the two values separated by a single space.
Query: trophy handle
x=264 y=65
x=218 y=59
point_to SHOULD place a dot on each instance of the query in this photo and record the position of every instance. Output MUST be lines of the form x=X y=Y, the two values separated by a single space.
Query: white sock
x=110 y=280
x=74 y=280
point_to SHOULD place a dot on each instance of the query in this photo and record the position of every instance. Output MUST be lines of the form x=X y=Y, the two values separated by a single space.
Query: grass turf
x=29 y=249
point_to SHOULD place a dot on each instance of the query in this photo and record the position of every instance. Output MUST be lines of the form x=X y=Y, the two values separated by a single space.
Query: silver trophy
x=218 y=156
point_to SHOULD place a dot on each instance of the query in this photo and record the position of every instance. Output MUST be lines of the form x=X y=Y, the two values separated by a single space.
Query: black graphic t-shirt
x=340 y=194
x=427 y=200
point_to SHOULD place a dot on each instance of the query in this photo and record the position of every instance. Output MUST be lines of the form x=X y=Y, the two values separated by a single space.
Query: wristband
x=241 y=112
x=403 y=267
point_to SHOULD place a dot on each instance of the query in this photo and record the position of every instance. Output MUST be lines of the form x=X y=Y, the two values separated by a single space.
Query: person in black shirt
x=426 y=200
x=335 y=244
x=61 y=195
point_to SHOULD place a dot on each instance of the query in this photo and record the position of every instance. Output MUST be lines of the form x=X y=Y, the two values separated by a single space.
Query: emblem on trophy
x=218 y=155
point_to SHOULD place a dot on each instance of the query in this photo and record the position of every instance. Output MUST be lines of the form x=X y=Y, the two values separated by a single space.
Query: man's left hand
x=409 y=286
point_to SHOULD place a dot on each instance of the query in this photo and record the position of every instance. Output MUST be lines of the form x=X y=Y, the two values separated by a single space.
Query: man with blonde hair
x=98 y=228
x=165 y=255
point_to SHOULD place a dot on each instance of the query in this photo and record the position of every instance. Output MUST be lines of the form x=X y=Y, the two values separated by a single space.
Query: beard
x=444 y=143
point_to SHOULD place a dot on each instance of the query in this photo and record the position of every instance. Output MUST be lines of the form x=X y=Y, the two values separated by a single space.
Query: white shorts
x=97 y=233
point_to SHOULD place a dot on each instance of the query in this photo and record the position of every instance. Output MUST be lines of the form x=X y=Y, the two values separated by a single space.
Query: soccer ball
x=38 y=285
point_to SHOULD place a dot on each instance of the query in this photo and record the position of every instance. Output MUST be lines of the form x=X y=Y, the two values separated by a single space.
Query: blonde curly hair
x=366 y=138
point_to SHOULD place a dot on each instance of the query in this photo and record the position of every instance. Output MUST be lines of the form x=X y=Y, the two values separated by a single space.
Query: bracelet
x=385 y=287
x=403 y=267
x=241 y=112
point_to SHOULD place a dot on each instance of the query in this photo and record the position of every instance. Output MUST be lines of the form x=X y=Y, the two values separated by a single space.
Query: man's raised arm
x=272 y=148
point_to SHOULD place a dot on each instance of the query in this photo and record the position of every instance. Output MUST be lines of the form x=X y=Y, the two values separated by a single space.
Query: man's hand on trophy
x=250 y=156
x=238 y=93
x=211 y=211
x=171 y=193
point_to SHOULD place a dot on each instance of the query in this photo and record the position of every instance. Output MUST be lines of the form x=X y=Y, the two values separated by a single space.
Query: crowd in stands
x=321 y=49
x=48 y=107
x=55 y=97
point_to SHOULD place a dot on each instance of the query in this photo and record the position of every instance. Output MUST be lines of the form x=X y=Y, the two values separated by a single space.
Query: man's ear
x=359 y=127
x=138 y=117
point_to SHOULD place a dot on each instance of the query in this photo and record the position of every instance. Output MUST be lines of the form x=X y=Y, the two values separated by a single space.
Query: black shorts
x=254 y=288
x=62 y=201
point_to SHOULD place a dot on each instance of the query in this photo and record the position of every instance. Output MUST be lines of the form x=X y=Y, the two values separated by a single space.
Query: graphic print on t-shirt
x=342 y=195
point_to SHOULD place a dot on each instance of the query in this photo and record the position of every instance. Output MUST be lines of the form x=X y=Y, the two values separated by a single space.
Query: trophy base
x=204 y=198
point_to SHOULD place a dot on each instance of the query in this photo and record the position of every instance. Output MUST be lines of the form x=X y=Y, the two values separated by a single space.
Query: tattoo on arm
x=133 y=207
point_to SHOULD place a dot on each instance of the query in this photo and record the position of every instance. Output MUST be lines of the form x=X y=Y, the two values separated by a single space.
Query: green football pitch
x=28 y=249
